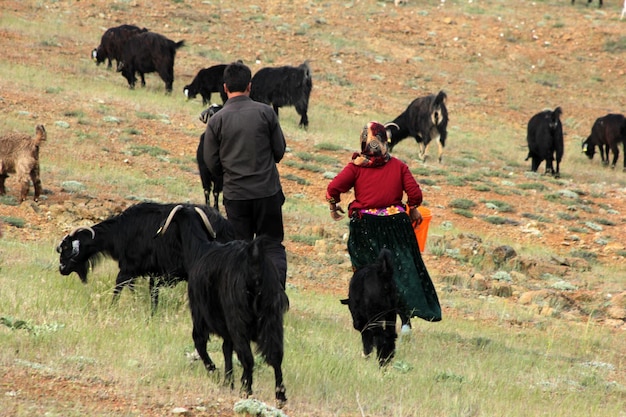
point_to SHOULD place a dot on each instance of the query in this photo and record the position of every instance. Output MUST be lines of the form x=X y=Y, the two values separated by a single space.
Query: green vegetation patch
x=13 y=221
x=462 y=203
x=296 y=179
x=615 y=45
x=463 y=212
x=537 y=217
x=328 y=146
x=501 y=206
x=155 y=151
x=311 y=157
x=532 y=186
x=304 y=166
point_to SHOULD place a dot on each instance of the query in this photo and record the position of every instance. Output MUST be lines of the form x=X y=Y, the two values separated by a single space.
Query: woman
x=378 y=219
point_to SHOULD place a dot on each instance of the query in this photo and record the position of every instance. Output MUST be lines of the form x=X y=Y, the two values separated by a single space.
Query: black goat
x=425 y=119
x=372 y=300
x=149 y=52
x=284 y=86
x=128 y=239
x=607 y=133
x=545 y=140
x=112 y=43
x=208 y=181
x=589 y=2
x=207 y=81
x=235 y=292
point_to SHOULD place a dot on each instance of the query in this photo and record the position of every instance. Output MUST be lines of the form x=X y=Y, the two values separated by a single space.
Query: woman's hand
x=336 y=212
x=415 y=215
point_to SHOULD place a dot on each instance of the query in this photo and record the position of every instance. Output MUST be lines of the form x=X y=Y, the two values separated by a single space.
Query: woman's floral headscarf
x=374 y=146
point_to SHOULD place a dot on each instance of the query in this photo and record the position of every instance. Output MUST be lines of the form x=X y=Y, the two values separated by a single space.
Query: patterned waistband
x=387 y=211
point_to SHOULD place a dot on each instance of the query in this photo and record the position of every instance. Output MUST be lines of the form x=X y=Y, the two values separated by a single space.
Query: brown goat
x=19 y=154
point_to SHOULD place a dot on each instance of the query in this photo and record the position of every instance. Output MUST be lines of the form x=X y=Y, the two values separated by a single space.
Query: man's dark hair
x=237 y=76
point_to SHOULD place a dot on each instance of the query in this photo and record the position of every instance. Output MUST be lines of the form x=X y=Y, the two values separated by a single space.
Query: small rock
x=617 y=313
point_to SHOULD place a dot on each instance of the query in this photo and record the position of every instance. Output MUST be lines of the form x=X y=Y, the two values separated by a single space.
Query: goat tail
x=40 y=134
x=306 y=66
x=307 y=79
x=271 y=304
x=440 y=98
x=558 y=112
x=271 y=330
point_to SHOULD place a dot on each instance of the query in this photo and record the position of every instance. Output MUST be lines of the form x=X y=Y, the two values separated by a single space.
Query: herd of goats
x=234 y=289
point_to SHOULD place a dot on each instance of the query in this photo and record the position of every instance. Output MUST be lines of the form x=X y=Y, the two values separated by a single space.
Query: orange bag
x=421 y=230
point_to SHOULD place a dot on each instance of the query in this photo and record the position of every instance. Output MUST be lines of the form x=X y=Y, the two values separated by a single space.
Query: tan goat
x=19 y=154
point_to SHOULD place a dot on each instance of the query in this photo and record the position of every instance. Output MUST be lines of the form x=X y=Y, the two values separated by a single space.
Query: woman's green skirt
x=369 y=234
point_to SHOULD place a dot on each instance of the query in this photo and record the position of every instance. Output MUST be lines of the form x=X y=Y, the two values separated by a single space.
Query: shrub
x=462 y=203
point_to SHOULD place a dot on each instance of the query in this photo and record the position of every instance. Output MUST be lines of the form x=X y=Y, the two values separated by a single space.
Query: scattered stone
x=478 y=283
x=594 y=226
x=256 y=408
x=502 y=254
x=616 y=312
x=502 y=290
x=111 y=119
x=502 y=276
x=568 y=194
x=72 y=186
x=447 y=225
x=320 y=246
x=563 y=286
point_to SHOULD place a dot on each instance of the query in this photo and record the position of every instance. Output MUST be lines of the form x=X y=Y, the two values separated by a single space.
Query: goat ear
x=75 y=247
x=345 y=301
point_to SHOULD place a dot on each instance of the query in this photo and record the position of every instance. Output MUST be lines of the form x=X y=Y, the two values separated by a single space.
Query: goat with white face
x=128 y=238
x=426 y=120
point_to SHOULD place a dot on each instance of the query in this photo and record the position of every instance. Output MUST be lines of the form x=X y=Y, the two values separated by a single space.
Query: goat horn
x=391 y=124
x=163 y=228
x=78 y=229
x=206 y=221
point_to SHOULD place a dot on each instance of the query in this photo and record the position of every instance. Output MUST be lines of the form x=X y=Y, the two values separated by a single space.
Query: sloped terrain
x=498 y=66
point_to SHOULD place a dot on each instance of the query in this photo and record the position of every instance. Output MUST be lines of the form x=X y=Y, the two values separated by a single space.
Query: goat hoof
x=281 y=397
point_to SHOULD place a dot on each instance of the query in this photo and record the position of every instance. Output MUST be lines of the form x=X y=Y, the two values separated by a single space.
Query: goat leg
x=34 y=176
x=216 y=197
x=120 y=282
x=367 y=337
x=154 y=293
x=244 y=353
x=281 y=392
x=227 y=350
x=200 y=340
x=24 y=189
x=3 y=191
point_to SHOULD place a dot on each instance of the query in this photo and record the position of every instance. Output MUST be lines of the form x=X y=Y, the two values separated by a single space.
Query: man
x=244 y=142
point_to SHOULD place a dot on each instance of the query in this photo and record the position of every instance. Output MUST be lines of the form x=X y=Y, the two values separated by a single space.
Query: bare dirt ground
x=397 y=32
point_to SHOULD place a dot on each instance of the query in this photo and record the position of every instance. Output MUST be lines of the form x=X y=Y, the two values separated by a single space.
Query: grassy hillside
x=541 y=335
